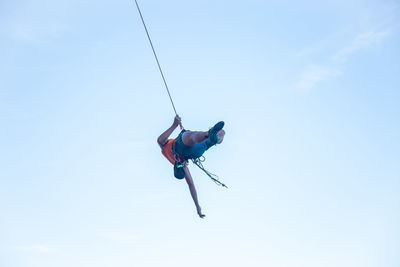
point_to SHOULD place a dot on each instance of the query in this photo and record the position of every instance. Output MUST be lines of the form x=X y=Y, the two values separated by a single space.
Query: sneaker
x=216 y=128
x=213 y=134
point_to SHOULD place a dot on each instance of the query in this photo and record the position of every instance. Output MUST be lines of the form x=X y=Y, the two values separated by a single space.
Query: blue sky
x=309 y=91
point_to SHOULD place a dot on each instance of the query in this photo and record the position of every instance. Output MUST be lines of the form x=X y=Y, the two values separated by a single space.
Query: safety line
x=155 y=55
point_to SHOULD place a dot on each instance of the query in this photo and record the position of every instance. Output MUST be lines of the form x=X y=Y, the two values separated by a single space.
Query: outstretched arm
x=192 y=189
x=163 y=138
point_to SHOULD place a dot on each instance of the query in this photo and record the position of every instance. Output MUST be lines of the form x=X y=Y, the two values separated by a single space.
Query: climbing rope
x=155 y=56
x=199 y=163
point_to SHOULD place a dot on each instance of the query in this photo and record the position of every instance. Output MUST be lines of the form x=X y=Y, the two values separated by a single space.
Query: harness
x=178 y=158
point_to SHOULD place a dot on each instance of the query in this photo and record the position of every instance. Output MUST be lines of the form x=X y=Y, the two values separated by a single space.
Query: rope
x=155 y=56
x=214 y=177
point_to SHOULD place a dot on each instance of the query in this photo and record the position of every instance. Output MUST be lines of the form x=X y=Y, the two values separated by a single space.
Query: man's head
x=179 y=172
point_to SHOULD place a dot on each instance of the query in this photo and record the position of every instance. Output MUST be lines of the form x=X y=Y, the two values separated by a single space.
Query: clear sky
x=309 y=91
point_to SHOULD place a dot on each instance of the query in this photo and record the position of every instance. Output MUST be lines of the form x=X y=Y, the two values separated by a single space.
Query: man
x=188 y=145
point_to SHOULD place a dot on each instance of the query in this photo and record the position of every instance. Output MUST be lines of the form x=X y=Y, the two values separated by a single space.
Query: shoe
x=212 y=134
x=216 y=128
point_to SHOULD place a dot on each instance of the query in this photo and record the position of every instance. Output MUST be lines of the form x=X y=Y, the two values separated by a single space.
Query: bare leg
x=192 y=189
x=163 y=138
x=191 y=138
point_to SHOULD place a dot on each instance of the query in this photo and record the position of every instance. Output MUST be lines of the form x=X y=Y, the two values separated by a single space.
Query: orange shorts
x=167 y=151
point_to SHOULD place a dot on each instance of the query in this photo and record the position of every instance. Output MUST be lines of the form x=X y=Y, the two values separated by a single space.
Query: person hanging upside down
x=188 y=145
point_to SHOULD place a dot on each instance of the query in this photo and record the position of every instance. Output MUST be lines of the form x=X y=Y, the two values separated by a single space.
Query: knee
x=161 y=142
x=193 y=139
x=187 y=139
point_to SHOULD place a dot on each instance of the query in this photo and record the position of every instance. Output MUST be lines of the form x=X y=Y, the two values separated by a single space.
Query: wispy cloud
x=34 y=249
x=361 y=41
x=314 y=74
x=336 y=58
x=118 y=236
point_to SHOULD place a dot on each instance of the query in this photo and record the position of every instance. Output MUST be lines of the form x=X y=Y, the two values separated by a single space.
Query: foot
x=216 y=128
x=213 y=138
x=220 y=135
